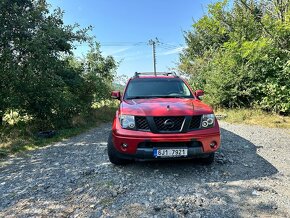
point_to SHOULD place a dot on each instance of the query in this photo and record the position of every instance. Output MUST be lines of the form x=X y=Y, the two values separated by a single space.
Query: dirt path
x=250 y=177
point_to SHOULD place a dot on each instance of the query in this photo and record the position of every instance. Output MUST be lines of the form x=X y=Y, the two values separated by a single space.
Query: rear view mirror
x=116 y=95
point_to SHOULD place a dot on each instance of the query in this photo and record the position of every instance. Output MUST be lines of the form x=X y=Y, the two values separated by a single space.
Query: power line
x=122 y=43
x=170 y=46
x=103 y=44
x=161 y=44
x=167 y=48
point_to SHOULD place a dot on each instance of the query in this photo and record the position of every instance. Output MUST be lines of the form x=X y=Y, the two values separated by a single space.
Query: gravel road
x=73 y=178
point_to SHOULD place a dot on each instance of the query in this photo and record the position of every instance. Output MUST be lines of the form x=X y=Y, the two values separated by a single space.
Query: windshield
x=157 y=88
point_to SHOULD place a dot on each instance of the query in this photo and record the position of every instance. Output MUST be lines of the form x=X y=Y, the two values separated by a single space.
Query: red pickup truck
x=160 y=117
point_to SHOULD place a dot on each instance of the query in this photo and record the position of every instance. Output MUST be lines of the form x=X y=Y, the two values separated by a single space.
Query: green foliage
x=22 y=136
x=240 y=55
x=40 y=77
x=100 y=71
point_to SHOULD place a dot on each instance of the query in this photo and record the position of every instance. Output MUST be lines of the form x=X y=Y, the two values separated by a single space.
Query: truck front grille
x=168 y=123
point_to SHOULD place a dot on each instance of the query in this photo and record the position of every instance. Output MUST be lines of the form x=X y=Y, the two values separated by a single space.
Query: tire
x=208 y=160
x=113 y=153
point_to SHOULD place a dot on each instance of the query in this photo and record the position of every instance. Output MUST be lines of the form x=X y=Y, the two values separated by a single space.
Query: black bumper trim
x=147 y=154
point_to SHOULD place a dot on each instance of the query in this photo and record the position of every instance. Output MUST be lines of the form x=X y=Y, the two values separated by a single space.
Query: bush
x=240 y=56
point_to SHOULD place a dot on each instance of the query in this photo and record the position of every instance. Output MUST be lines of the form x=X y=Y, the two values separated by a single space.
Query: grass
x=20 y=138
x=254 y=117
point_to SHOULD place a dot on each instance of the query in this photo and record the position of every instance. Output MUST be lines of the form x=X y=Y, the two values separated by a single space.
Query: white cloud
x=115 y=50
x=134 y=55
x=173 y=51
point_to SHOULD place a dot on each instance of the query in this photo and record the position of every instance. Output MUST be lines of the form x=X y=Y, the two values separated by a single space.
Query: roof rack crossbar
x=137 y=74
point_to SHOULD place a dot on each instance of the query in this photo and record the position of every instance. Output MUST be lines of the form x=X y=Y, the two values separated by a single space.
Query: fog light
x=213 y=145
x=124 y=145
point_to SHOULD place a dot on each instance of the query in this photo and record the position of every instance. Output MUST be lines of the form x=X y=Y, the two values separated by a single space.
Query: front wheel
x=113 y=153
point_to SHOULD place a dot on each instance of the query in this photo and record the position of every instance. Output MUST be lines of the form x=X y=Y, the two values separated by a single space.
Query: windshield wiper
x=171 y=96
x=139 y=97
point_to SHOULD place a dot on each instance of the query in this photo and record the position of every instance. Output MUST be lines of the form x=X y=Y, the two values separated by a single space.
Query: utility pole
x=153 y=43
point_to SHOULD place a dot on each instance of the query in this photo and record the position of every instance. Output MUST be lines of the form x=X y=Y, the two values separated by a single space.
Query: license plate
x=170 y=152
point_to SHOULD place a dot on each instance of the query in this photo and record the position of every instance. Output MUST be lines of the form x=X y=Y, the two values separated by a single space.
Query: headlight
x=207 y=120
x=127 y=121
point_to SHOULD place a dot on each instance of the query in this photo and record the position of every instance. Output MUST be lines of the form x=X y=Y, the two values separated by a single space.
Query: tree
x=37 y=75
x=100 y=71
x=240 y=55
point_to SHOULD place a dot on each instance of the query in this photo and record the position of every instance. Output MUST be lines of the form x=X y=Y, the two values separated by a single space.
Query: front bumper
x=197 y=142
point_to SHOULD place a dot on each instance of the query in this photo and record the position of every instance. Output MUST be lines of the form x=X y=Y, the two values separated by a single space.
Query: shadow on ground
x=236 y=160
x=74 y=175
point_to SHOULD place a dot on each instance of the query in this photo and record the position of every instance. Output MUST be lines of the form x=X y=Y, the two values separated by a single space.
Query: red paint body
x=158 y=107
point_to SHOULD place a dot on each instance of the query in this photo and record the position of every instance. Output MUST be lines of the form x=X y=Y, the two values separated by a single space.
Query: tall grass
x=254 y=117
x=19 y=135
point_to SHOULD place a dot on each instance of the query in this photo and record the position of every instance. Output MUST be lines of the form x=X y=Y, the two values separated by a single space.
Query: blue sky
x=124 y=27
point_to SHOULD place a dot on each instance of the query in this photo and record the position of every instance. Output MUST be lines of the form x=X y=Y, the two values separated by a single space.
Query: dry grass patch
x=254 y=117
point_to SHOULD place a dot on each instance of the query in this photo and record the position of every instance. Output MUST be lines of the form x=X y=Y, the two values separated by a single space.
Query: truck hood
x=164 y=107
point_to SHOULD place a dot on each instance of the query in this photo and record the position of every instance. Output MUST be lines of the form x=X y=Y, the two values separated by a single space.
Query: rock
x=156 y=208
x=146 y=203
x=98 y=213
x=80 y=190
x=69 y=190
x=88 y=172
x=255 y=193
x=185 y=211
x=199 y=202
x=197 y=215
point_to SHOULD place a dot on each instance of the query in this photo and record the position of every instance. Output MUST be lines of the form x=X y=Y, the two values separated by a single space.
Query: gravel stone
x=74 y=178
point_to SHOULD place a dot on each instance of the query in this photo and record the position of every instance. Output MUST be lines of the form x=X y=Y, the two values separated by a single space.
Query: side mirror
x=199 y=93
x=116 y=95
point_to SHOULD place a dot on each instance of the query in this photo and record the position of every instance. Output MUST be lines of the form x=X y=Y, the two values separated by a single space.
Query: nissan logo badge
x=169 y=123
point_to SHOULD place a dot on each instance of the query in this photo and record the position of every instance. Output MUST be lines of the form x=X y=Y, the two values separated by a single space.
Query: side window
x=180 y=88
x=129 y=89
x=185 y=90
